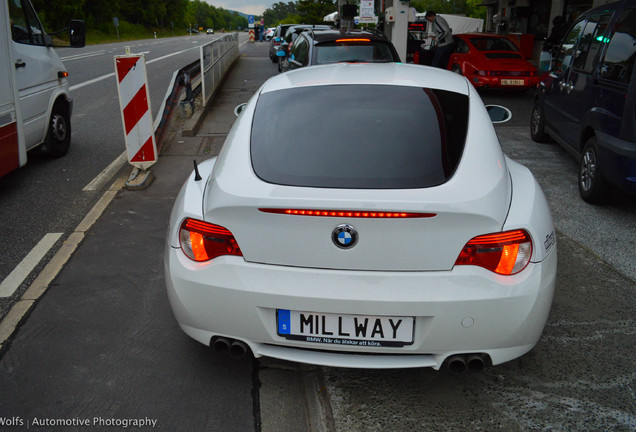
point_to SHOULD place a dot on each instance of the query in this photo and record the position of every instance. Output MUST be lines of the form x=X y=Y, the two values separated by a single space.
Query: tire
x=537 y=124
x=592 y=185
x=457 y=69
x=58 y=135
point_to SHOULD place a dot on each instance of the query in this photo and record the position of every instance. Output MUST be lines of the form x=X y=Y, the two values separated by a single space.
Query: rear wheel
x=537 y=124
x=58 y=136
x=592 y=185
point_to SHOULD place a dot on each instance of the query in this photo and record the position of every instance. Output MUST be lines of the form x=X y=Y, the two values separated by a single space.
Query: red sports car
x=491 y=61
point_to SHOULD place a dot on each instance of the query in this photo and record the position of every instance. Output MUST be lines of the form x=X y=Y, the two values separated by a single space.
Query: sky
x=250 y=7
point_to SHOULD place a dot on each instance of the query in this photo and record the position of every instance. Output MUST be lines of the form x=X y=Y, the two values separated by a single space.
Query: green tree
x=56 y=14
x=313 y=11
x=279 y=11
x=473 y=9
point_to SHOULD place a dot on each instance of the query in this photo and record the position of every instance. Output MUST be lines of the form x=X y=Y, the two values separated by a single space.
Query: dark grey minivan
x=587 y=99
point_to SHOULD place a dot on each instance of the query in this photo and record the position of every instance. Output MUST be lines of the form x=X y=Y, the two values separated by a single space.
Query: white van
x=35 y=101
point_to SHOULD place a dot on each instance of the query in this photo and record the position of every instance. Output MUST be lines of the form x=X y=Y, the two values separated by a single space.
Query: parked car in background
x=333 y=46
x=492 y=61
x=586 y=100
x=290 y=37
x=363 y=215
x=277 y=40
x=269 y=33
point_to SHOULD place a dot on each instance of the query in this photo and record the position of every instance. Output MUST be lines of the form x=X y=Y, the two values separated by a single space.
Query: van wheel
x=58 y=136
x=537 y=124
x=592 y=185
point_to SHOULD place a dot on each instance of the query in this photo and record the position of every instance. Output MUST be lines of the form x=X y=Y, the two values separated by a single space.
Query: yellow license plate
x=512 y=82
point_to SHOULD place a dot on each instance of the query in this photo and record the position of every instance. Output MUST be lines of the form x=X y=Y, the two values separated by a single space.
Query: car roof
x=331 y=35
x=312 y=26
x=398 y=74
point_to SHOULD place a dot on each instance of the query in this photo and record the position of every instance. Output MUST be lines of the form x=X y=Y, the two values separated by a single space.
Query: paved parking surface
x=581 y=374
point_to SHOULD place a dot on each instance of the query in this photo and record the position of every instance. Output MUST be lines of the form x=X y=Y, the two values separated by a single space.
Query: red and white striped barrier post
x=134 y=100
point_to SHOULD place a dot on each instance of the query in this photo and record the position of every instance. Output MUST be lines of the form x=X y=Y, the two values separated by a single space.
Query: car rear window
x=358 y=136
x=353 y=52
x=493 y=44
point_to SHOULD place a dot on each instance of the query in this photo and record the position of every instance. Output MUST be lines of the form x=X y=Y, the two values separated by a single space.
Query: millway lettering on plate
x=395 y=326
x=317 y=325
x=340 y=332
x=360 y=329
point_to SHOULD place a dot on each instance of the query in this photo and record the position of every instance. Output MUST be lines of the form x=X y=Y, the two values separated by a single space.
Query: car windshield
x=352 y=52
x=492 y=44
x=358 y=136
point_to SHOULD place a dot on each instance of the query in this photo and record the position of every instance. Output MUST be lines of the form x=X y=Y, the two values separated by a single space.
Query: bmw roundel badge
x=344 y=236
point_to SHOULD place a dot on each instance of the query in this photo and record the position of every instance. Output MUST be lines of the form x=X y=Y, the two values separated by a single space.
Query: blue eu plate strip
x=284 y=326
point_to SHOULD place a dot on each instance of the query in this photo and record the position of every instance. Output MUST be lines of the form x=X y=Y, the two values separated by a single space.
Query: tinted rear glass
x=353 y=52
x=493 y=44
x=358 y=136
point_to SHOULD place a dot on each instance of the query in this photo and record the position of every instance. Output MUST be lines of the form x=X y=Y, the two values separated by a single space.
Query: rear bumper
x=466 y=310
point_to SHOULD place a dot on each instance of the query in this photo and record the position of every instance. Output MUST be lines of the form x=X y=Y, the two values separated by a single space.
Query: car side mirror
x=77 y=33
x=239 y=109
x=498 y=114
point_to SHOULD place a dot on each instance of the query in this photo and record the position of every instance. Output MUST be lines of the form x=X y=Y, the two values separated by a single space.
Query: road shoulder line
x=26 y=266
x=39 y=286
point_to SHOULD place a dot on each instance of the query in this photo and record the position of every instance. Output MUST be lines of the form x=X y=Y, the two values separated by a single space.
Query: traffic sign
x=250 y=21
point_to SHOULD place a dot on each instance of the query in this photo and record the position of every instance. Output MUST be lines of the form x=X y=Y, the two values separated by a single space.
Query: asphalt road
x=52 y=196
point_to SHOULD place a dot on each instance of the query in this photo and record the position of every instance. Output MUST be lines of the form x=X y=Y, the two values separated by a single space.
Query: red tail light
x=203 y=241
x=347 y=213
x=352 y=40
x=505 y=253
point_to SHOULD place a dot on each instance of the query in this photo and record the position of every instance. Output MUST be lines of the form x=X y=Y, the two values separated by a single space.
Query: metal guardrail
x=181 y=80
x=216 y=58
x=201 y=76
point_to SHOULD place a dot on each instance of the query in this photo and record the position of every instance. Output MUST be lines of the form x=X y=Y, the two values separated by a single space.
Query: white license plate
x=347 y=330
x=512 y=82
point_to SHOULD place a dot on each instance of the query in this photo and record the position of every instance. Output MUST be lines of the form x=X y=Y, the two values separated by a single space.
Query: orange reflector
x=62 y=74
x=352 y=40
x=348 y=213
